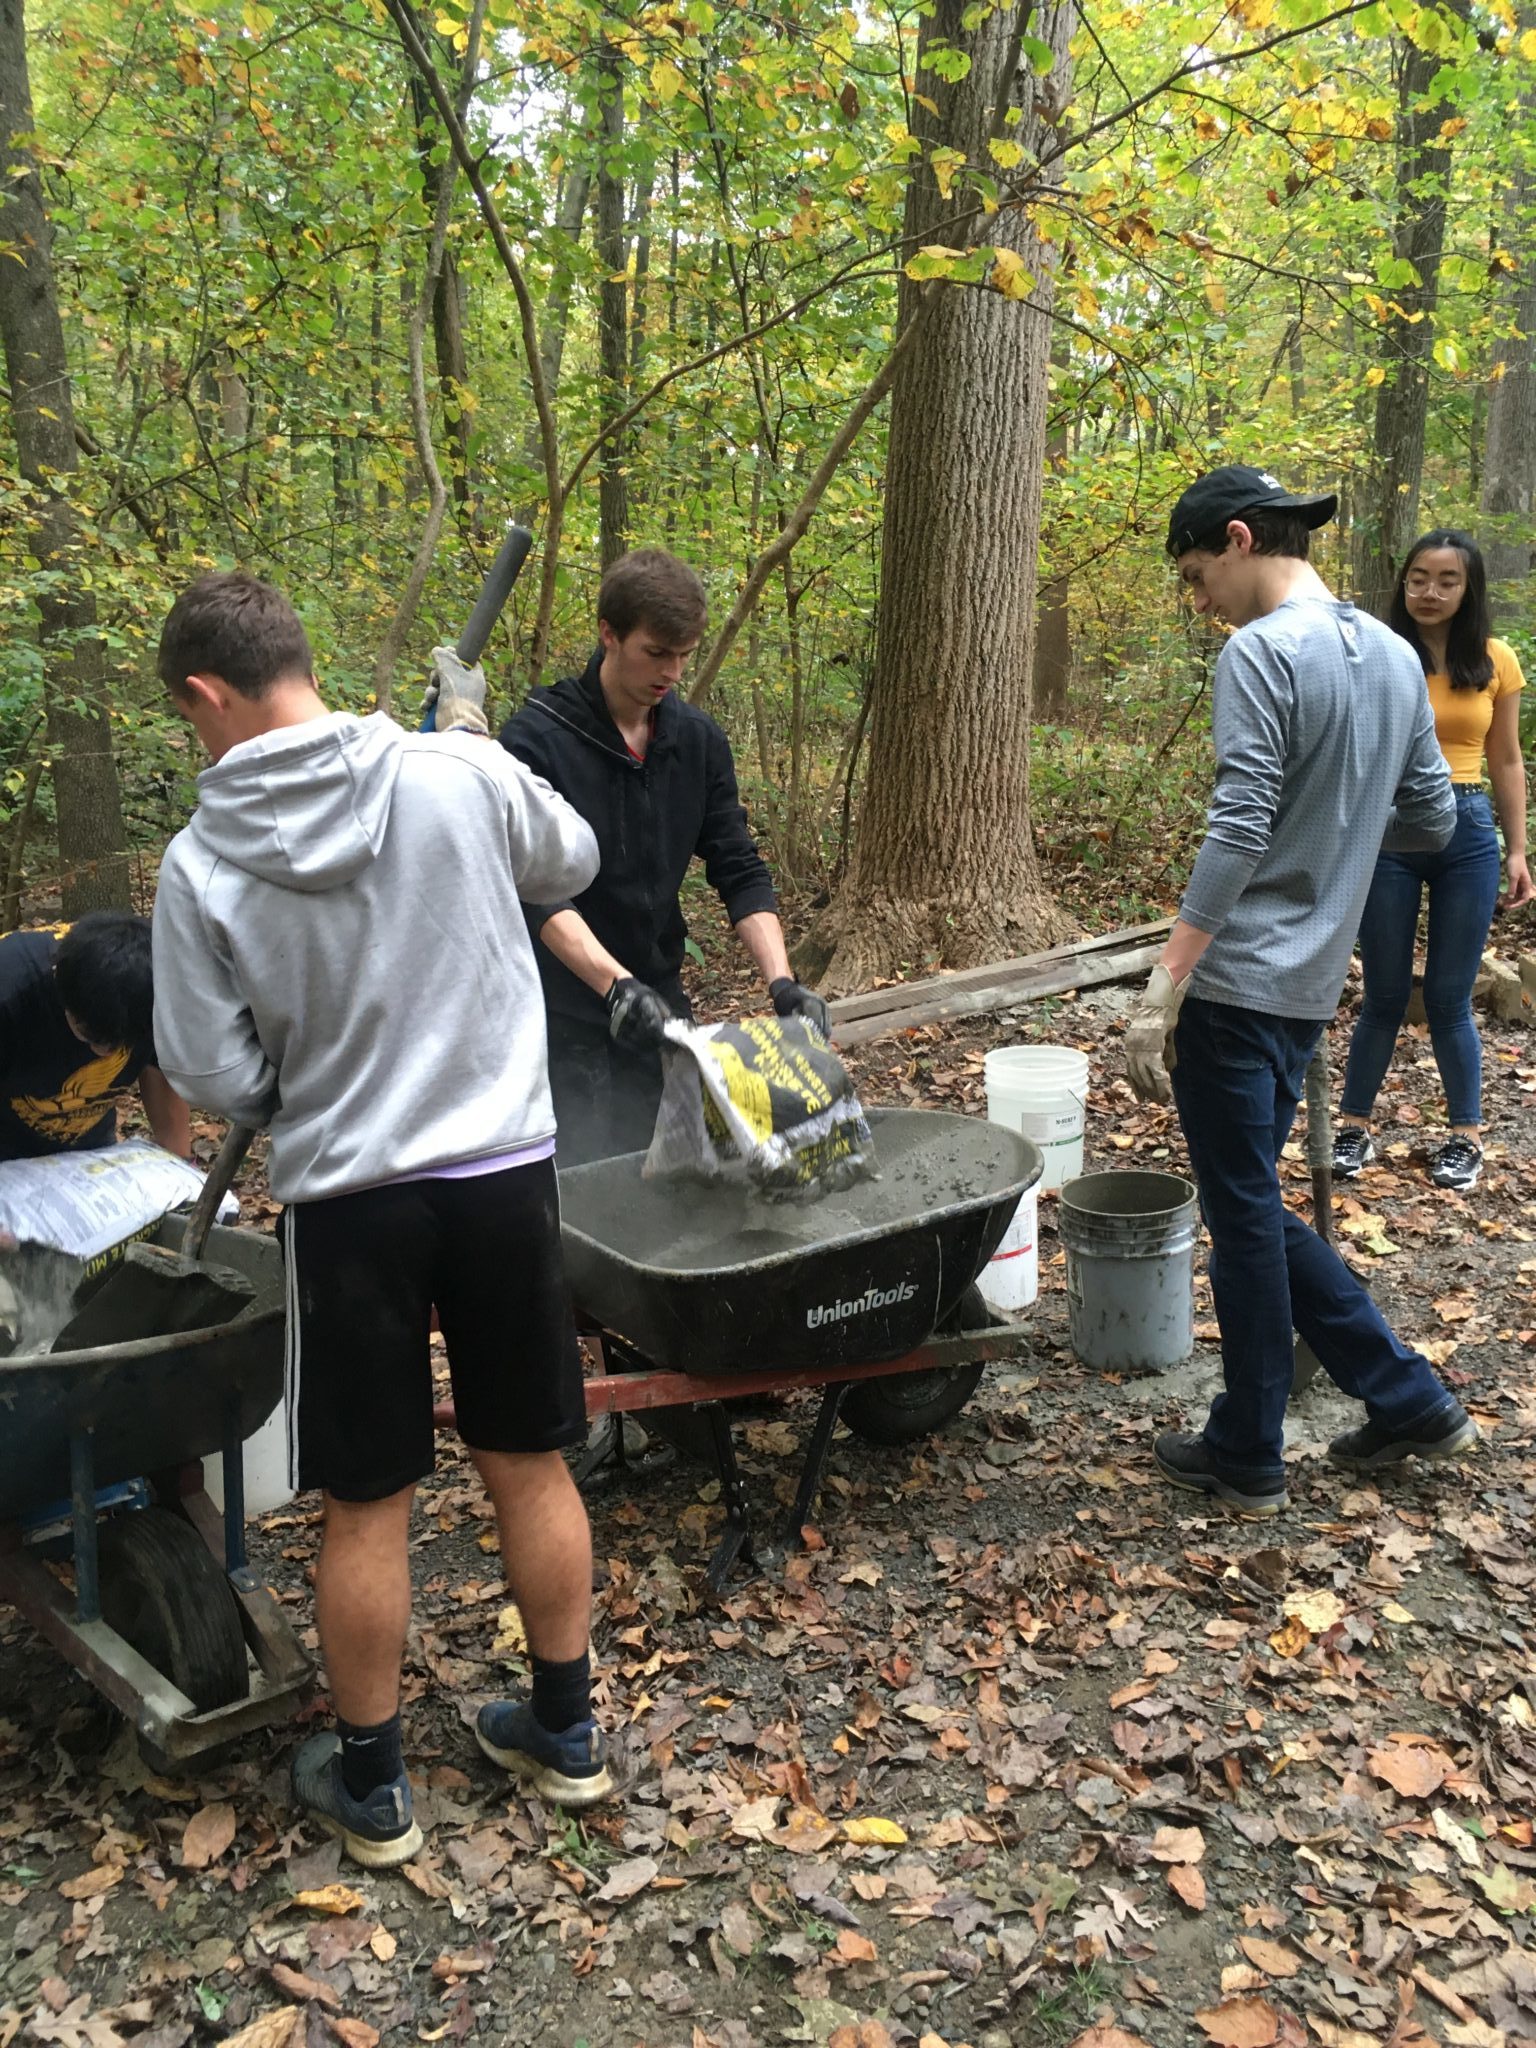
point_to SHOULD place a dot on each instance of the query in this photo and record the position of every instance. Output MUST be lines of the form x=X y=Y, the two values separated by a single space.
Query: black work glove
x=637 y=1016
x=791 y=1000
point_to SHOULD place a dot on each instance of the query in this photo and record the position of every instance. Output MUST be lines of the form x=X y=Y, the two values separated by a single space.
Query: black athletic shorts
x=364 y=1273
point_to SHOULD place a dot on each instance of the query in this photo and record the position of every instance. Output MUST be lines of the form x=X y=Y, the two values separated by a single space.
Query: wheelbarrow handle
x=237 y=1142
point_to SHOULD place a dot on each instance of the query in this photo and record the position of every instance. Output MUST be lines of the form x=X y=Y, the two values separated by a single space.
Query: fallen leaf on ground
x=871 y=1829
x=306 y=1989
x=1272 y=1957
x=284 y=2028
x=755 y=1819
x=330 y=1898
x=1504 y=1891
x=626 y=1879
x=1317 y=1612
x=1415 y=1773
x=91 y=1883
x=1291 y=1638
x=1186 y=1881
x=354 y=2033
x=208 y=1834
x=383 y=1944
x=1240 y=2023
x=854 y=1947
x=1178 y=1845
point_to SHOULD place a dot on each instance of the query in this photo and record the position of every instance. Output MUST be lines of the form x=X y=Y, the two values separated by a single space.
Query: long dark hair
x=1467 y=660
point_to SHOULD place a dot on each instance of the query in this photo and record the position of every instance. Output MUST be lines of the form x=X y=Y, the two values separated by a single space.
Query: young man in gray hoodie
x=340 y=957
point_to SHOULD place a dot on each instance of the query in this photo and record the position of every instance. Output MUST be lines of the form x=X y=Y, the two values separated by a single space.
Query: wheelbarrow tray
x=705 y=1278
x=152 y=1404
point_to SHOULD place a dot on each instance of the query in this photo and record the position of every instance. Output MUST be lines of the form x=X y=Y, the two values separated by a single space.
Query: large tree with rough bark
x=91 y=843
x=945 y=866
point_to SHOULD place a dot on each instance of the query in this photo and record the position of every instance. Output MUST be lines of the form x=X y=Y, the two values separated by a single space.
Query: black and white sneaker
x=1352 y=1149
x=1458 y=1163
x=1446 y=1432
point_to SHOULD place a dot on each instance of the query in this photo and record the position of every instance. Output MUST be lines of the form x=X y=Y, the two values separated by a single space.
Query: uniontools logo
x=871 y=1299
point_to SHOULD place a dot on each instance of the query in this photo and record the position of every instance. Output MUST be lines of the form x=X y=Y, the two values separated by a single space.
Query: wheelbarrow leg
x=233 y=1462
x=815 y=1465
x=82 y=1490
x=736 y=1539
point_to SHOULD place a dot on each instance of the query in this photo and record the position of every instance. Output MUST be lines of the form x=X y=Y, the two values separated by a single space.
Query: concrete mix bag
x=765 y=1090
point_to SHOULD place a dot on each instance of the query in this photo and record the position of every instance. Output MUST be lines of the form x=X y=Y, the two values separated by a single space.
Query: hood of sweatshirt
x=578 y=703
x=305 y=807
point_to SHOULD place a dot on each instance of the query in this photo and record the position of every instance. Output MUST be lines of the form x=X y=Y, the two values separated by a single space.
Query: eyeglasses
x=1420 y=584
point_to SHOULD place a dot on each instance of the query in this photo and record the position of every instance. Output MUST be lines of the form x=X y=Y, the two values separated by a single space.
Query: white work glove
x=458 y=692
x=1149 y=1037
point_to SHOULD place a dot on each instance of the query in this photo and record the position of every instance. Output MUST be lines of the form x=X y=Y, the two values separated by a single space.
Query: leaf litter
x=1021 y=1747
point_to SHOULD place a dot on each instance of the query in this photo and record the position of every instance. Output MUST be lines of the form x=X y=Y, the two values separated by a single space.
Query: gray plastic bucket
x=1130 y=1245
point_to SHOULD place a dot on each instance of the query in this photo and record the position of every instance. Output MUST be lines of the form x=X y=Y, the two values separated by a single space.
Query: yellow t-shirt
x=1462 y=717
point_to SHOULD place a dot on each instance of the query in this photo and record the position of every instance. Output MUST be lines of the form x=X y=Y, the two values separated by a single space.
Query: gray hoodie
x=340 y=954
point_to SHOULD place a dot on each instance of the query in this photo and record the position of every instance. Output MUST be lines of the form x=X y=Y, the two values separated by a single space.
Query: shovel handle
x=237 y=1142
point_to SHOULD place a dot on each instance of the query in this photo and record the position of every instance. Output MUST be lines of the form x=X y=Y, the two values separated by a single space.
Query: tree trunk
x=447 y=303
x=944 y=869
x=1509 y=468
x=92 y=850
x=1053 y=618
x=613 y=308
x=1387 y=514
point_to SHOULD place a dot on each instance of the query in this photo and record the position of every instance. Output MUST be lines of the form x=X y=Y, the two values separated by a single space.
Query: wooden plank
x=908 y=995
x=978 y=1001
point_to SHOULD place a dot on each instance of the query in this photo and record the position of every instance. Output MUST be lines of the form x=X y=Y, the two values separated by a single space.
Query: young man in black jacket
x=654 y=778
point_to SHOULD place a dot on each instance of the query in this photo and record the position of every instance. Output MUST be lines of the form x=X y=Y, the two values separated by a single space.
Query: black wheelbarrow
x=701 y=1294
x=166 y=1618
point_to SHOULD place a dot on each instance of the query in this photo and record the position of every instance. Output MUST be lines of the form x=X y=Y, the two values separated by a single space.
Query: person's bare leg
x=363 y=1603
x=546 y=1547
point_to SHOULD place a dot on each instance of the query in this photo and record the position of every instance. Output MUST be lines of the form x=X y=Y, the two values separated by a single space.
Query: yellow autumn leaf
x=1528 y=46
x=872 y=1829
x=1009 y=275
x=666 y=80
x=330 y=1898
x=1317 y=1612
x=1375 y=375
x=511 y=1638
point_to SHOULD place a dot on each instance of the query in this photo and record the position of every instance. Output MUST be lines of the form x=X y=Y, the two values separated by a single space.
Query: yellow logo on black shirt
x=80 y=1104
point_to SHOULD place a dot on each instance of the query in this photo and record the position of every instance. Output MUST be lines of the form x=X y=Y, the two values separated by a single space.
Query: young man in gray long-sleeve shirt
x=1325 y=746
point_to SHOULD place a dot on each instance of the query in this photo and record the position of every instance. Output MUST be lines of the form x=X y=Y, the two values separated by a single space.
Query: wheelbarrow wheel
x=910 y=1405
x=166 y=1595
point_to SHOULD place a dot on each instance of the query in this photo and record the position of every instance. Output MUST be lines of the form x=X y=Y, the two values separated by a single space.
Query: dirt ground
x=1019 y=1748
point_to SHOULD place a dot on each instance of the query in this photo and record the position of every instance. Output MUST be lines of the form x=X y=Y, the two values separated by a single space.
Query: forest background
x=906 y=325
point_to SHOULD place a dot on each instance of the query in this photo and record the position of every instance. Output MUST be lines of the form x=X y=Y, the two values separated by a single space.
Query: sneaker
x=1186 y=1460
x=569 y=1769
x=1352 y=1149
x=1457 y=1164
x=1446 y=1432
x=377 y=1831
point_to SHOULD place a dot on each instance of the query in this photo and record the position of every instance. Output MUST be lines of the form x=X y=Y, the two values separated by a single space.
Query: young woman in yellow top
x=1440 y=607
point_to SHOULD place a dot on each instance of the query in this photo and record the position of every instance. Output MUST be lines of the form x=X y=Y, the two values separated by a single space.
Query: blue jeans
x=1463 y=884
x=1237 y=1082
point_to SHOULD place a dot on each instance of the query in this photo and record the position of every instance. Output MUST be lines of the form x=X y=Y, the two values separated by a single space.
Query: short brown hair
x=649 y=587
x=235 y=626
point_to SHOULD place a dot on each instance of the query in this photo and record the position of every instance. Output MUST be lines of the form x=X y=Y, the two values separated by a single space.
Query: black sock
x=370 y=1757
x=562 y=1693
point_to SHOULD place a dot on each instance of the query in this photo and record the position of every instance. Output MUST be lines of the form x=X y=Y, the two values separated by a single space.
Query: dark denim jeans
x=1237 y=1082
x=1463 y=884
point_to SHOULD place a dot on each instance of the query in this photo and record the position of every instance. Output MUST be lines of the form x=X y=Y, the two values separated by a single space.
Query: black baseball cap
x=1223 y=494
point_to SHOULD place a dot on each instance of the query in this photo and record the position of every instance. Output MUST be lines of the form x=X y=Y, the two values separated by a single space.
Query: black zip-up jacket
x=651 y=818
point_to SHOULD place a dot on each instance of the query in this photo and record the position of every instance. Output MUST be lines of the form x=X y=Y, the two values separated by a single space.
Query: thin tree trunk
x=613 y=309
x=1387 y=510
x=447 y=307
x=944 y=867
x=1053 y=617
x=1509 y=468
x=92 y=845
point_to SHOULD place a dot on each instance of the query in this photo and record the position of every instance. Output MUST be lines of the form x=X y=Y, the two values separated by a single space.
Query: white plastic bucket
x=1042 y=1090
x=267 y=1485
x=1012 y=1276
